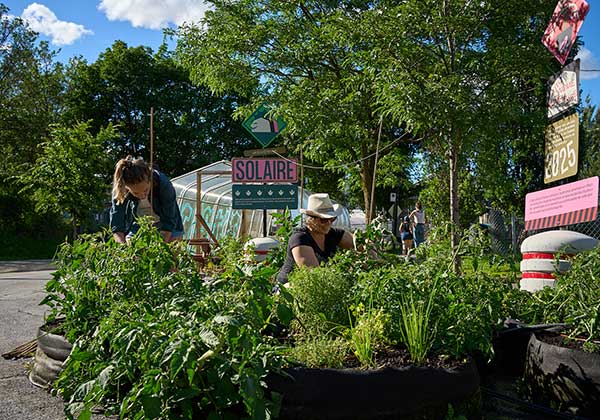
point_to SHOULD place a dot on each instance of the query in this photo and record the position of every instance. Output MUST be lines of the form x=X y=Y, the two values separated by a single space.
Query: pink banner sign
x=264 y=170
x=562 y=30
x=576 y=202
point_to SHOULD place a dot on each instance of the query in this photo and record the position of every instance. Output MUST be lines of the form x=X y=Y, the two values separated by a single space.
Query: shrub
x=150 y=342
x=320 y=352
x=322 y=296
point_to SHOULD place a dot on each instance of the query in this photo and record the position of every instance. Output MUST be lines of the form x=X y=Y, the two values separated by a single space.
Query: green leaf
x=284 y=313
x=151 y=406
x=86 y=414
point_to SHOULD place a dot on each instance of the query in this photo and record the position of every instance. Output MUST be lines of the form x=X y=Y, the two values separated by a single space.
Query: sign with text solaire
x=262 y=127
x=269 y=197
x=266 y=170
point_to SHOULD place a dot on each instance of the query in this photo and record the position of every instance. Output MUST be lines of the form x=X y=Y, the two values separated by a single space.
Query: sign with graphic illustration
x=262 y=127
x=264 y=170
x=562 y=30
x=561 y=149
x=269 y=197
x=563 y=90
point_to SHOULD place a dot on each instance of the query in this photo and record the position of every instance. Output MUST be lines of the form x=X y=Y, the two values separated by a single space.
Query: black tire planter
x=390 y=393
x=52 y=351
x=563 y=376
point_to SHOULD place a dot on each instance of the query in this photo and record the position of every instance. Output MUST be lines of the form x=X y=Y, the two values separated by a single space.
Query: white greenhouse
x=215 y=203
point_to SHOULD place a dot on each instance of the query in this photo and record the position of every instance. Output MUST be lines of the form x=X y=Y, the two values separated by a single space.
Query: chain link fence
x=507 y=231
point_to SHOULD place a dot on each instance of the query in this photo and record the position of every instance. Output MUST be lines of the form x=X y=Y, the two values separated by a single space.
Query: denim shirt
x=164 y=204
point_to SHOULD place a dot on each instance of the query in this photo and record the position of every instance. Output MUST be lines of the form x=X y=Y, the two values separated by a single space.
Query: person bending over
x=317 y=241
x=130 y=199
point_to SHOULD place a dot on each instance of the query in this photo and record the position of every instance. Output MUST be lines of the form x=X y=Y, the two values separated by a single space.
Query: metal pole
x=264 y=223
x=370 y=215
x=151 y=157
x=395 y=214
x=198 y=207
x=301 y=182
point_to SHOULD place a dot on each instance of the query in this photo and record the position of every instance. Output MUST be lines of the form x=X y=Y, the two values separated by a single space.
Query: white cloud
x=154 y=14
x=43 y=20
x=588 y=62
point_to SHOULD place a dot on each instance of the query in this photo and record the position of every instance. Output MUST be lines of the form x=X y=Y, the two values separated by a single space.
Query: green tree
x=31 y=84
x=589 y=146
x=70 y=175
x=460 y=73
x=303 y=59
x=192 y=127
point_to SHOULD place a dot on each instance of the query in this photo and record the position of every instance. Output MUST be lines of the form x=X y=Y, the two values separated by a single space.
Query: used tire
x=54 y=345
x=52 y=351
x=563 y=375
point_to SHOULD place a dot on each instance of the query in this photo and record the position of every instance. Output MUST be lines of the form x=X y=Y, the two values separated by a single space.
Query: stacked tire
x=50 y=356
x=546 y=253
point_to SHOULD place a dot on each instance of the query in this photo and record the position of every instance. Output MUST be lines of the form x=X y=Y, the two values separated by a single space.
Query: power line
x=345 y=165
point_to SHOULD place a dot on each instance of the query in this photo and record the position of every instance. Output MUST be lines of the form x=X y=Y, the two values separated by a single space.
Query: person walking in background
x=130 y=199
x=417 y=216
x=317 y=241
x=406 y=236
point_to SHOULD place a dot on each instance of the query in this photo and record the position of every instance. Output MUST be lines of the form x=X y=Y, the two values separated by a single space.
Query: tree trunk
x=366 y=180
x=74 y=223
x=454 y=207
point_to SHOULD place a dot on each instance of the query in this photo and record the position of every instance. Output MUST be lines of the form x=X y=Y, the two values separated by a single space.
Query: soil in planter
x=564 y=341
x=396 y=357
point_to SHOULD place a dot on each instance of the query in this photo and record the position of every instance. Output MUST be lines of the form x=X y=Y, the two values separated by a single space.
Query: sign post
x=264 y=129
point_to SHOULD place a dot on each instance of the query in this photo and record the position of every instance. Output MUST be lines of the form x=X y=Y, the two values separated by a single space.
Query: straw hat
x=320 y=205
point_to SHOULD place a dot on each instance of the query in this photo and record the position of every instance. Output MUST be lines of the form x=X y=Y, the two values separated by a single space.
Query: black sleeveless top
x=302 y=236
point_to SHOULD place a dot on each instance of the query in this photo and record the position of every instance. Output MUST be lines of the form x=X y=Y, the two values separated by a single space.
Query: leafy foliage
x=192 y=127
x=70 y=173
x=305 y=61
x=575 y=298
x=322 y=296
x=153 y=342
x=31 y=86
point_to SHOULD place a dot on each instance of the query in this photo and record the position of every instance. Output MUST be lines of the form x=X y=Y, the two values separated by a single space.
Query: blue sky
x=88 y=27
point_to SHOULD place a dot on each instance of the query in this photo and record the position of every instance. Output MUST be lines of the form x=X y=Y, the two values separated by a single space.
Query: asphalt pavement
x=20 y=317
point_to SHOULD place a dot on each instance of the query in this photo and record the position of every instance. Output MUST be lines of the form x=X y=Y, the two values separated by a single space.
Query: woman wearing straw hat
x=317 y=241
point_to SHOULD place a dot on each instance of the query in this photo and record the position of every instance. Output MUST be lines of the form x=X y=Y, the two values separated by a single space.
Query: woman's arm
x=304 y=256
x=119 y=237
x=166 y=235
x=347 y=241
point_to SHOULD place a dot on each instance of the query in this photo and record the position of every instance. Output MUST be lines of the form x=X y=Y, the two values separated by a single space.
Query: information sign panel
x=563 y=90
x=575 y=202
x=278 y=196
x=561 y=149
